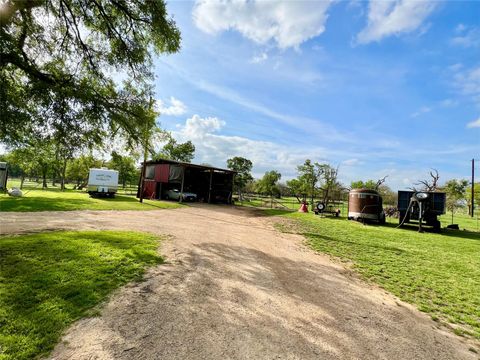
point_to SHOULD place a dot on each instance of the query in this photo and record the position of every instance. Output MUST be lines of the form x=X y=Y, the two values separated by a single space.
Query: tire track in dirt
x=233 y=287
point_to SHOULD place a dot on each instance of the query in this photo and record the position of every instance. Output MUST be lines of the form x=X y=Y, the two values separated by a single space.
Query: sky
x=376 y=88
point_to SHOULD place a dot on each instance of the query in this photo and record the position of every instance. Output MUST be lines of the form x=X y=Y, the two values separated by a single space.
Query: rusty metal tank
x=365 y=204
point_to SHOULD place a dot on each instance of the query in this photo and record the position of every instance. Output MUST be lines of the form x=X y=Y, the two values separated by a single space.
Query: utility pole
x=146 y=138
x=473 y=188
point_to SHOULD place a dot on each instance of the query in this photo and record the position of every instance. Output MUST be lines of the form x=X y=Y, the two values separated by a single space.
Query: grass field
x=49 y=280
x=460 y=216
x=463 y=220
x=53 y=199
x=439 y=273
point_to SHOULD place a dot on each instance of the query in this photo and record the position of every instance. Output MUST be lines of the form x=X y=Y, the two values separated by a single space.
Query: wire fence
x=36 y=184
x=283 y=203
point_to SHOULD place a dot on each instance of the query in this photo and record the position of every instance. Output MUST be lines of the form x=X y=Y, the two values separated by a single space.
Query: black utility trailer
x=421 y=207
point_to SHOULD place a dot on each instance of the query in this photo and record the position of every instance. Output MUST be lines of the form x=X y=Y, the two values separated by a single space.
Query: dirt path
x=234 y=288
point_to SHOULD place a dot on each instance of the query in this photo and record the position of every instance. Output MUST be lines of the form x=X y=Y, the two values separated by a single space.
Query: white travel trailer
x=102 y=182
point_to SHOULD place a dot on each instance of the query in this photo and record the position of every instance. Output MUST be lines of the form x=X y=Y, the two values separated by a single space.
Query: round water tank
x=365 y=204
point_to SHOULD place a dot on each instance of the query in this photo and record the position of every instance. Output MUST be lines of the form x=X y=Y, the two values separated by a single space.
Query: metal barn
x=211 y=184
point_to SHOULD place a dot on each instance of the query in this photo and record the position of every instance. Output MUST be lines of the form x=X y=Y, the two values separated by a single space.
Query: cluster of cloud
x=290 y=23
x=422 y=110
x=176 y=107
x=474 y=124
x=287 y=23
x=387 y=18
x=468 y=82
x=215 y=149
x=466 y=36
x=259 y=58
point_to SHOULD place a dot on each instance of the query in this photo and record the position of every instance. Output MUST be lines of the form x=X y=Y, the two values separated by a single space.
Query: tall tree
x=243 y=167
x=73 y=48
x=359 y=184
x=173 y=150
x=476 y=196
x=388 y=195
x=309 y=175
x=328 y=178
x=125 y=165
x=267 y=185
x=21 y=163
x=78 y=169
x=455 y=190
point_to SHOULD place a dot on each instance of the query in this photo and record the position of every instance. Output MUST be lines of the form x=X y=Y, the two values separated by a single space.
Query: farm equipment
x=321 y=208
x=421 y=207
x=365 y=205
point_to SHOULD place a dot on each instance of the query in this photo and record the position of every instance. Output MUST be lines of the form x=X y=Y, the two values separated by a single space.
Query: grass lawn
x=56 y=200
x=49 y=280
x=464 y=221
x=439 y=273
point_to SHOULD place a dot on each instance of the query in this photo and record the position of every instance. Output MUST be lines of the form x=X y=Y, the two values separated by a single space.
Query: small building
x=210 y=184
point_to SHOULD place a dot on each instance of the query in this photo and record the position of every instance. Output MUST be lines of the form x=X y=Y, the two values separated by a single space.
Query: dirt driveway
x=234 y=288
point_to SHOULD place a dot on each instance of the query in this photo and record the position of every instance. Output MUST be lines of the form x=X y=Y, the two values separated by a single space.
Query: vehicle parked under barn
x=209 y=184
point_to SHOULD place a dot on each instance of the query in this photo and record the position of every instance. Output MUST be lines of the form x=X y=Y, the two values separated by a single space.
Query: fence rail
x=284 y=203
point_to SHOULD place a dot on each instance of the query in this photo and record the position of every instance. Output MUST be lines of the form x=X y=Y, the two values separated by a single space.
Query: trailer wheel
x=437 y=226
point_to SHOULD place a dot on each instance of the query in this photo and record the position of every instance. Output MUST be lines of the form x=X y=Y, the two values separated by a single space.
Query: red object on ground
x=303 y=208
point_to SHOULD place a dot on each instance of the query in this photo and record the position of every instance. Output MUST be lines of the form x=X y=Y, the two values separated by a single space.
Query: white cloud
x=259 y=58
x=197 y=127
x=176 y=107
x=474 y=124
x=386 y=18
x=315 y=127
x=460 y=28
x=448 y=103
x=352 y=162
x=422 y=110
x=468 y=82
x=287 y=23
x=215 y=149
x=467 y=38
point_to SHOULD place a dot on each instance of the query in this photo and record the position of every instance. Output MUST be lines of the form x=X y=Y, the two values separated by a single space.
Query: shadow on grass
x=274 y=212
x=314 y=237
x=38 y=203
x=55 y=278
x=80 y=201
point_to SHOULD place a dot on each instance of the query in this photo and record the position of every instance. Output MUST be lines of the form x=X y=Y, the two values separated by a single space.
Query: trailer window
x=150 y=172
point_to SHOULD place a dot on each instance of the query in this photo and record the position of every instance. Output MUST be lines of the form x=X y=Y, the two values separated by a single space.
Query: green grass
x=49 y=280
x=463 y=220
x=56 y=200
x=439 y=273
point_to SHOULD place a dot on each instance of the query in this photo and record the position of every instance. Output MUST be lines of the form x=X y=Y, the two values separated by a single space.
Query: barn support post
x=142 y=181
x=210 y=187
x=180 y=198
x=233 y=186
x=472 y=203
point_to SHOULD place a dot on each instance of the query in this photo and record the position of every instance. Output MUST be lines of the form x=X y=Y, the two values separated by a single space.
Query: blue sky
x=377 y=88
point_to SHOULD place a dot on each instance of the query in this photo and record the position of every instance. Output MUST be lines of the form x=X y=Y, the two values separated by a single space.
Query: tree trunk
x=22 y=180
x=44 y=177
x=64 y=170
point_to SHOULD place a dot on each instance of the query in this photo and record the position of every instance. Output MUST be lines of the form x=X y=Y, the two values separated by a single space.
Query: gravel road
x=233 y=287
